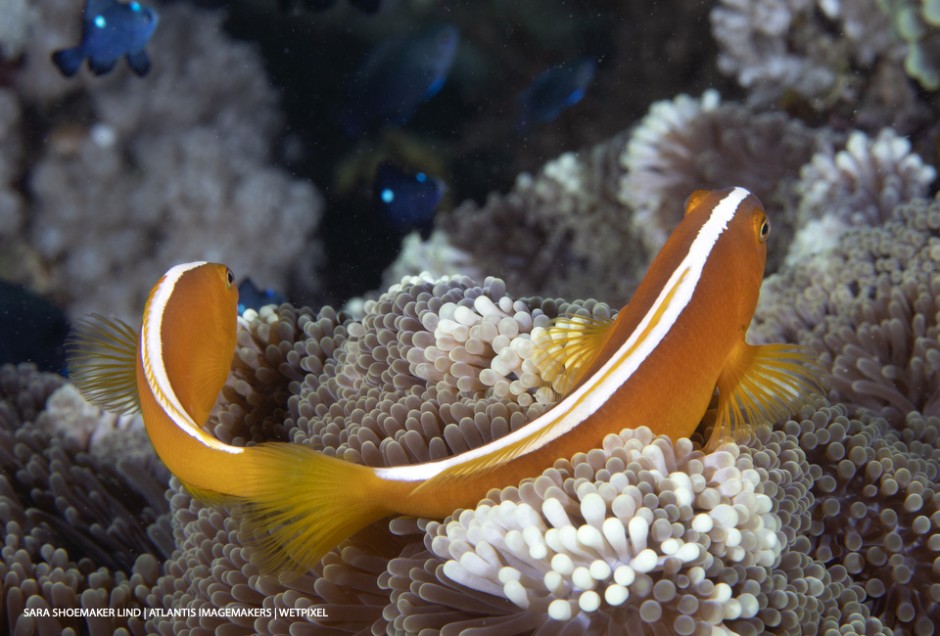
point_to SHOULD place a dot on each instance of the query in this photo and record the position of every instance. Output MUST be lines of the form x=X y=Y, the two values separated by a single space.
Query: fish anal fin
x=101 y=354
x=565 y=349
x=139 y=62
x=762 y=384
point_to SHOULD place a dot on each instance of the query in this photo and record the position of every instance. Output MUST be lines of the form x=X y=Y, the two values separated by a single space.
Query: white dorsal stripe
x=596 y=390
x=151 y=345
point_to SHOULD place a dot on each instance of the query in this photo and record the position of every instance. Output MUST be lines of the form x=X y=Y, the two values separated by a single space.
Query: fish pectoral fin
x=762 y=384
x=101 y=355
x=566 y=349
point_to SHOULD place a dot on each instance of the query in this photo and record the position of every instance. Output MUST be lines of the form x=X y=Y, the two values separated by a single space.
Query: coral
x=176 y=168
x=434 y=257
x=81 y=500
x=687 y=144
x=859 y=185
x=19 y=20
x=11 y=203
x=870 y=308
x=917 y=23
x=562 y=231
x=776 y=46
x=638 y=537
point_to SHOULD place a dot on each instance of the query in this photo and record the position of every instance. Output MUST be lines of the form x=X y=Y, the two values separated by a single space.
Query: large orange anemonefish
x=658 y=364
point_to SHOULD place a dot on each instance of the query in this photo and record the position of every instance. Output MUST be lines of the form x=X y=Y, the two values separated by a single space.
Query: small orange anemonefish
x=658 y=364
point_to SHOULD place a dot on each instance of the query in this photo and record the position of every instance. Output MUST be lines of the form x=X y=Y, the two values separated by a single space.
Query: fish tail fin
x=763 y=383
x=68 y=60
x=302 y=503
x=101 y=356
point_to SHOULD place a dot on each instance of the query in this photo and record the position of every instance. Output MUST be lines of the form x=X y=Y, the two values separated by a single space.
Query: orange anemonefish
x=658 y=363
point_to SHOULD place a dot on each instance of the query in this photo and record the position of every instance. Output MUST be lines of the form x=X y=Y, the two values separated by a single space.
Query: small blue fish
x=110 y=29
x=555 y=90
x=406 y=200
x=251 y=297
x=397 y=77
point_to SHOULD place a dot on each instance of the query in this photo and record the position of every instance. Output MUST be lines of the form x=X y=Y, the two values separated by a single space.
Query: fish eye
x=764 y=230
x=229 y=276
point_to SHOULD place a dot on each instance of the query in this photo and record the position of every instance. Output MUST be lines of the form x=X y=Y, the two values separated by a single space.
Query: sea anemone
x=86 y=523
x=870 y=309
x=643 y=536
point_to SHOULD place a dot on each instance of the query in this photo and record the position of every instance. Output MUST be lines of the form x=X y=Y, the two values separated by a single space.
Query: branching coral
x=861 y=184
x=19 y=20
x=917 y=23
x=870 y=308
x=176 y=168
x=804 y=46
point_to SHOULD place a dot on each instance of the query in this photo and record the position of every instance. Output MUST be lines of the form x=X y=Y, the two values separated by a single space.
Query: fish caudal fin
x=303 y=503
x=68 y=60
x=762 y=384
x=101 y=355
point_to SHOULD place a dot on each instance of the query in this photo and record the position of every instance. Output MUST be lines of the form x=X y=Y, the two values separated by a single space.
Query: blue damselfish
x=397 y=77
x=250 y=296
x=110 y=30
x=406 y=200
x=555 y=90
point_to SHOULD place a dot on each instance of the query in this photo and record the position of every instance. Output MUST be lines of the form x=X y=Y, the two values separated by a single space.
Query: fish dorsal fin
x=762 y=384
x=94 y=8
x=695 y=199
x=102 y=362
x=565 y=350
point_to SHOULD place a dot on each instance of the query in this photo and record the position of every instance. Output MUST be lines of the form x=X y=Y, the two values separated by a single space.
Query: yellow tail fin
x=302 y=503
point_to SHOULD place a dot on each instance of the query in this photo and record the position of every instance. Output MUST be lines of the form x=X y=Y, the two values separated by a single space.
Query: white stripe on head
x=151 y=347
x=596 y=390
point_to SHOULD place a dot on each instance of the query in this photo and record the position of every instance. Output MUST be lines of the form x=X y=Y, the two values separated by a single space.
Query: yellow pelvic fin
x=302 y=503
x=762 y=384
x=102 y=361
x=566 y=349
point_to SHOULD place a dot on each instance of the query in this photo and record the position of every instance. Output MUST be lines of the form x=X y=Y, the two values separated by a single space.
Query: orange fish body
x=184 y=354
x=658 y=364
